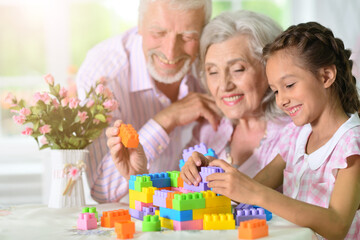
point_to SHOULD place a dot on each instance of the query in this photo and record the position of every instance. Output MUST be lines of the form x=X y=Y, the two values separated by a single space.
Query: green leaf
x=100 y=117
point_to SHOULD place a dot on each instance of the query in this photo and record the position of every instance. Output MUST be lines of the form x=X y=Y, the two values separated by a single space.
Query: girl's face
x=235 y=78
x=298 y=92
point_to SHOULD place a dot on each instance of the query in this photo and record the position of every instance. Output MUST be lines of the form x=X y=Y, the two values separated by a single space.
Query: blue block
x=132 y=182
x=181 y=163
x=160 y=180
x=211 y=153
x=176 y=215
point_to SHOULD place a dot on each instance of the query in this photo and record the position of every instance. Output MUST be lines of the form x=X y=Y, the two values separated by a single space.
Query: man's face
x=170 y=40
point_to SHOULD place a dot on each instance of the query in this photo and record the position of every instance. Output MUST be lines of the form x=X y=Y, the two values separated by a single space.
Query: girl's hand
x=128 y=161
x=233 y=184
x=190 y=171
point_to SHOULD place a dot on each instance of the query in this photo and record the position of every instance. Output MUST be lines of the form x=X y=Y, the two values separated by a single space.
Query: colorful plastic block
x=132 y=182
x=160 y=180
x=181 y=163
x=174 y=178
x=180 y=182
x=206 y=171
x=199 y=213
x=136 y=214
x=149 y=210
x=255 y=228
x=202 y=187
x=176 y=215
x=109 y=218
x=201 y=148
x=125 y=229
x=169 y=199
x=86 y=221
x=151 y=223
x=211 y=153
x=139 y=205
x=267 y=212
x=181 y=189
x=242 y=215
x=91 y=210
x=142 y=182
x=218 y=221
x=159 y=198
x=188 y=201
x=188 y=225
x=213 y=200
x=129 y=136
x=167 y=223
x=145 y=196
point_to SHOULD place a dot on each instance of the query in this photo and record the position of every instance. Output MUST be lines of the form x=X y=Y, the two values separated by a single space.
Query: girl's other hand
x=190 y=171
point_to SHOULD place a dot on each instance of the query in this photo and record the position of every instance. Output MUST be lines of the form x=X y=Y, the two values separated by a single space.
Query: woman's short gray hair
x=260 y=29
x=180 y=5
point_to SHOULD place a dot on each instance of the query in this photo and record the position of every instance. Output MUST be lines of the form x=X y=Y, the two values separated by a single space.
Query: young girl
x=319 y=153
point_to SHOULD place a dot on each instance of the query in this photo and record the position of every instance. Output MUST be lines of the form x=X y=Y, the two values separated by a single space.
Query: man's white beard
x=167 y=79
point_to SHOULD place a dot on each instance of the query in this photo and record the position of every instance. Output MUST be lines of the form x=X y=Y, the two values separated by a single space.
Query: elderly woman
x=231 y=55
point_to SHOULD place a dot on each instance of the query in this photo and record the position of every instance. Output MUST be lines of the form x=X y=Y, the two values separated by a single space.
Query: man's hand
x=191 y=108
x=128 y=161
x=190 y=171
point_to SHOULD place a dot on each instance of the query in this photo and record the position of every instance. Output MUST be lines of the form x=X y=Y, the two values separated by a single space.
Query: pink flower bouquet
x=63 y=122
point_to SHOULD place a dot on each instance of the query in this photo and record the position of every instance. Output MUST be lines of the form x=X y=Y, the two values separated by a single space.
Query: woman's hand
x=128 y=161
x=190 y=171
x=233 y=184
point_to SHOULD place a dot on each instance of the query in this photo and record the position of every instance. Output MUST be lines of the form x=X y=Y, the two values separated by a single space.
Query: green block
x=142 y=181
x=174 y=175
x=188 y=201
x=151 y=223
x=93 y=210
x=85 y=210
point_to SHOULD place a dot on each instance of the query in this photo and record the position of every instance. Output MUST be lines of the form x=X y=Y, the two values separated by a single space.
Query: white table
x=32 y=222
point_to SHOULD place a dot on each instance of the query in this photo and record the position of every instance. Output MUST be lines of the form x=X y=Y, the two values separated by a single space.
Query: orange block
x=180 y=182
x=255 y=228
x=125 y=229
x=169 y=199
x=109 y=218
x=129 y=136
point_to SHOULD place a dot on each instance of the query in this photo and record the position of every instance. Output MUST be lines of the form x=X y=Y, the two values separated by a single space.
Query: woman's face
x=235 y=78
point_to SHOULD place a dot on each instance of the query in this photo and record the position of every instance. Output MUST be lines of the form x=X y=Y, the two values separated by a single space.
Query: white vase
x=59 y=197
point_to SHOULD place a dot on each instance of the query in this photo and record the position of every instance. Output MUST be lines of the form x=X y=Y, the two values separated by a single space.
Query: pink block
x=86 y=221
x=180 y=189
x=188 y=225
x=139 y=205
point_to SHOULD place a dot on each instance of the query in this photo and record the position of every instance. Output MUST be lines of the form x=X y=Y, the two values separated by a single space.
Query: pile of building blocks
x=180 y=206
x=251 y=229
x=129 y=136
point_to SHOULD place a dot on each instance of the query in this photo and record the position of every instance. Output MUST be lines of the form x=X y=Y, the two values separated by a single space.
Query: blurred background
x=53 y=36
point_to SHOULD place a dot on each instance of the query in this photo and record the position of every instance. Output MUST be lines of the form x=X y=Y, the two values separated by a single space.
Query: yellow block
x=212 y=200
x=199 y=213
x=218 y=221
x=145 y=196
x=167 y=223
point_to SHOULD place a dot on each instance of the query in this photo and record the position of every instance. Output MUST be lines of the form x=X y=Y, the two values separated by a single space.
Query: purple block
x=149 y=210
x=202 y=187
x=201 y=148
x=206 y=171
x=248 y=214
x=159 y=197
x=136 y=214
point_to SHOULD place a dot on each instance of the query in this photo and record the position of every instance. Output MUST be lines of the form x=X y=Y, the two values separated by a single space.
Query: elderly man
x=152 y=72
